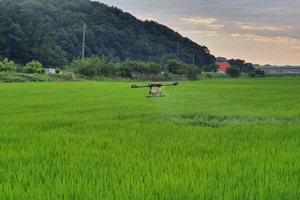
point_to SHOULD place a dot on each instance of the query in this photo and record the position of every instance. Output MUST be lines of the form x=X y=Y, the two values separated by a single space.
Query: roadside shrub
x=98 y=78
x=11 y=78
x=192 y=72
x=233 y=71
x=84 y=68
x=258 y=73
x=3 y=74
x=286 y=75
x=125 y=70
x=40 y=70
x=57 y=71
x=19 y=68
x=38 y=78
x=213 y=75
x=251 y=74
x=32 y=66
x=210 y=68
x=7 y=65
x=93 y=66
x=14 y=79
x=167 y=76
x=62 y=76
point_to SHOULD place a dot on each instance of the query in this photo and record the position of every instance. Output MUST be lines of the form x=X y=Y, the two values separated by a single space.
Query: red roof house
x=223 y=66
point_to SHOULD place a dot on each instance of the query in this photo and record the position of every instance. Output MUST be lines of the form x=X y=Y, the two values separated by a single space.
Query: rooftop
x=223 y=65
x=286 y=67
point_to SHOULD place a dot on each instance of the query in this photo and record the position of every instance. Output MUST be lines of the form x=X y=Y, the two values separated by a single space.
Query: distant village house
x=223 y=66
x=279 y=69
x=50 y=70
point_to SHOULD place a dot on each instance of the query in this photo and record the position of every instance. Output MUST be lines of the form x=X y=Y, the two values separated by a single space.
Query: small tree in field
x=154 y=68
x=34 y=66
x=260 y=73
x=192 y=72
x=173 y=66
x=57 y=71
x=167 y=76
x=40 y=70
x=210 y=68
x=6 y=65
x=233 y=71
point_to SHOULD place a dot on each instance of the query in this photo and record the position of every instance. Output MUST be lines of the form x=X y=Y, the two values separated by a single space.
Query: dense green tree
x=137 y=67
x=93 y=66
x=192 y=71
x=167 y=76
x=84 y=67
x=178 y=67
x=258 y=73
x=244 y=67
x=125 y=70
x=164 y=59
x=210 y=68
x=173 y=66
x=7 y=65
x=233 y=71
x=24 y=38
x=40 y=70
x=34 y=66
x=4 y=32
x=154 y=68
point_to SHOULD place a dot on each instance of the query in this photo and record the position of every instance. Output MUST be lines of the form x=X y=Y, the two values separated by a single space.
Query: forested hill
x=52 y=31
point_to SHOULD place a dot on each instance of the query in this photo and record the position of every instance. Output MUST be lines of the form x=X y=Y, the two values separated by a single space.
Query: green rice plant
x=210 y=139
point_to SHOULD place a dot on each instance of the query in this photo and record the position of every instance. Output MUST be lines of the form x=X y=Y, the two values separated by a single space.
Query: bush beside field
x=283 y=75
x=9 y=77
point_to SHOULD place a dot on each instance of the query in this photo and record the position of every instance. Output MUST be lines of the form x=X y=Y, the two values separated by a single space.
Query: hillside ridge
x=110 y=31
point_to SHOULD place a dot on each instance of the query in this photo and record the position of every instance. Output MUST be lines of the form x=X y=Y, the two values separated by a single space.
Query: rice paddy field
x=213 y=139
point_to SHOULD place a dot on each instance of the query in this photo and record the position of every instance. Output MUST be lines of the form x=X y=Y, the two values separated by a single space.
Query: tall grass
x=212 y=139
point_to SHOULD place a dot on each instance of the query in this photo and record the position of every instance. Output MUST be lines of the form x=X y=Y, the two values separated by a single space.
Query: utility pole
x=177 y=51
x=83 y=41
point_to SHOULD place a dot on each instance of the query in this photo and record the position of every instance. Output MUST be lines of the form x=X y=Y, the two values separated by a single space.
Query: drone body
x=155 y=92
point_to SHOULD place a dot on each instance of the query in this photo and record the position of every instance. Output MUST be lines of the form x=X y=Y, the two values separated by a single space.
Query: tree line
x=108 y=66
x=104 y=66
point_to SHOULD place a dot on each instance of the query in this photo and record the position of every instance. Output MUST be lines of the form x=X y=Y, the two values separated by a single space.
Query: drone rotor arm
x=136 y=86
x=154 y=85
x=174 y=84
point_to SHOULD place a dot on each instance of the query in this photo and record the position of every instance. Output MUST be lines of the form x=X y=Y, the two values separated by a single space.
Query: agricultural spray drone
x=155 y=92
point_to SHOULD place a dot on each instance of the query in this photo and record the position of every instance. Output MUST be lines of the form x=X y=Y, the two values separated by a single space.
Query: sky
x=257 y=31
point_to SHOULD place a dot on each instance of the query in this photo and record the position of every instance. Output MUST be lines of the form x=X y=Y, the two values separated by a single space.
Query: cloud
x=295 y=49
x=206 y=32
x=259 y=38
x=209 y=26
x=263 y=27
x=199 y=20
